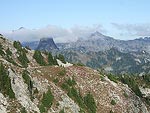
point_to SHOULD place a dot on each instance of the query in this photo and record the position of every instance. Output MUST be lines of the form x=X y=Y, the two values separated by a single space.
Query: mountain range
x=103 y=52
x=30 y=81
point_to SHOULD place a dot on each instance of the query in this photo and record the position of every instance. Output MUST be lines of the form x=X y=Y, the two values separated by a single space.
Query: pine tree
x=39 y=58
x=50 y=59
x=23 y=58
x=5 y=82
x=55 y=61
x=61 y=58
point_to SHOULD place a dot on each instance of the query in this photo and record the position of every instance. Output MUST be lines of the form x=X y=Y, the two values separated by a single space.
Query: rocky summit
x=46 y=44
x=33 y=81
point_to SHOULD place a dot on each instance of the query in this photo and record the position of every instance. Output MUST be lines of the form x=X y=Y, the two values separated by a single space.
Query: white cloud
x=133 y=29
x=58 y=33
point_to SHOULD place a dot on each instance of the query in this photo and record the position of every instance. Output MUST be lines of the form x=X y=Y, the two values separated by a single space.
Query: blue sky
x=115 y=16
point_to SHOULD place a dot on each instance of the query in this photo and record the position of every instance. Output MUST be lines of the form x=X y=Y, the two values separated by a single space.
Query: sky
x=121 y=19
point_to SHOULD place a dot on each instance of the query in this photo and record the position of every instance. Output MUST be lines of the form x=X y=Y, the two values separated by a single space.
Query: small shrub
x=62 y=111
x=42 y=108
x=1 y=51
x=56 y=80
x=71 y=82
x=47 y=99
x=90 y=103
x=36 y=91
x=61 y=58
x=112 y=78
x=65 y=86
x=9 y=53
x=111 y=111
x=125 y=94
x=23 y=110
x=62 y=72
x=113 y=102
x=79 y=64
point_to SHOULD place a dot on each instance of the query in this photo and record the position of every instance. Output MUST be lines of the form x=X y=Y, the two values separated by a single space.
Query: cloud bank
x=133 y=29
x=58 y=33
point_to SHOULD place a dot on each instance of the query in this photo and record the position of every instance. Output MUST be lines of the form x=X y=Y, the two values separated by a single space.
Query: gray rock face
x=47 y=44
x=33 y=45
x=99 y=42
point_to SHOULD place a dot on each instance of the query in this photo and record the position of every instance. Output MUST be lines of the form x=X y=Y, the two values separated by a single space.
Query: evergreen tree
x=47 y=100
x=9 y=53
x=17 y=45
x=61 y=58
x=39 y=58
x=23 y=58
x=27 y=80
x=55 y=61
x=50 y=59
x=5 y=82
x=1 y=51
x=90 y=103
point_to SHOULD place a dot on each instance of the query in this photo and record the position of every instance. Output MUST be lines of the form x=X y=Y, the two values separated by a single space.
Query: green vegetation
x=86 y=103
x=61 y=58
x=111 y=111
x=51 y=60
x=23 y=110
x=47 y=101
x=62 y=72
x=131 y=82
x=9 y=57
x=1 y=51
x=113 y=102
x=90 y=103
x=62 y=111
x=42 y=108
x=27 y=80
x=125 y=94
x=22 y=54
x=73 y=93
x=5 y=82
x=17 y=45
x=56 y=80
x=79 y=64
x=146 y=79
x=1 y=36
x=112 y=78
x=39 y=58
x=8 y=52
x=71 y=82
x=36 y=91
x=65 y=86
x=55 y=61
x=23 y=58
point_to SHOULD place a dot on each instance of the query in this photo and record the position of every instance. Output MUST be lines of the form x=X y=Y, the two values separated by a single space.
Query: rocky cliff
x=46 y=44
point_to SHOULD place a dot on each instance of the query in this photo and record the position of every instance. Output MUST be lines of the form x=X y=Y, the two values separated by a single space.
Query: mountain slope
x=54 y=89
x=112 y=60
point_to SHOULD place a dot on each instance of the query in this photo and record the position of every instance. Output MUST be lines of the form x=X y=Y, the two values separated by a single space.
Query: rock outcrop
x=47 y=44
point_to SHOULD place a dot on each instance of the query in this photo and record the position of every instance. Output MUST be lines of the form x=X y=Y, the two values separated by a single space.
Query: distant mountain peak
x=47 y=44
x=21 y=28
x=98 y=36
x=46 y=39
x=97 y=33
